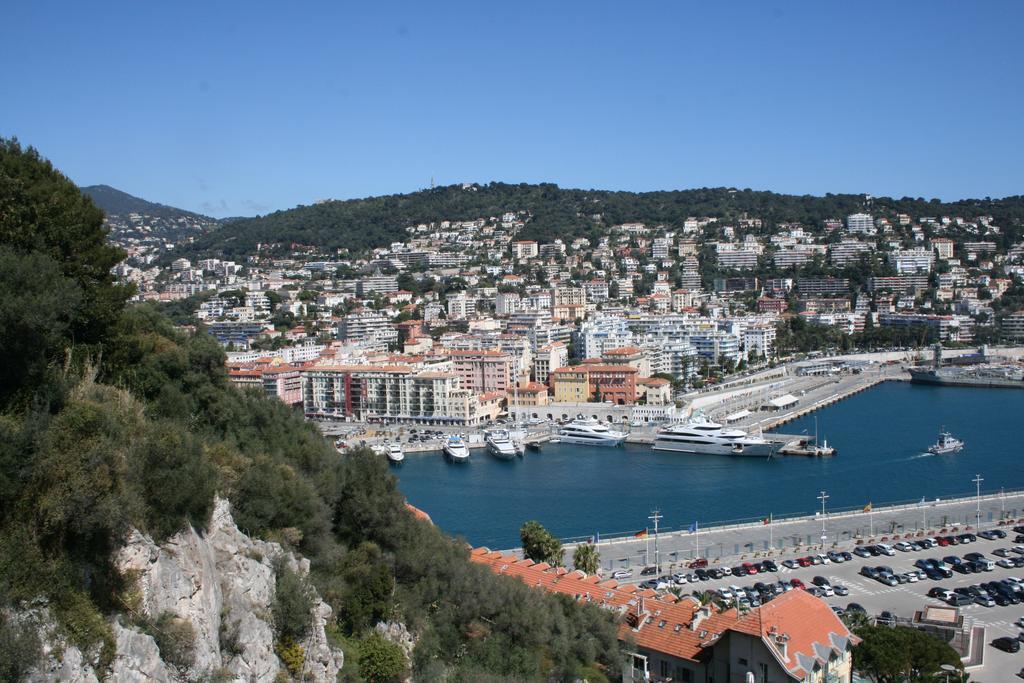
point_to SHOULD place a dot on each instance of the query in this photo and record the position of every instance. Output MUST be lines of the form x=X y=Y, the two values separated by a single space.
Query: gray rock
x=223 y=583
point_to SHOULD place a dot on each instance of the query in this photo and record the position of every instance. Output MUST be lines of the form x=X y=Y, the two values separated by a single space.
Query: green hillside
x=361 y=224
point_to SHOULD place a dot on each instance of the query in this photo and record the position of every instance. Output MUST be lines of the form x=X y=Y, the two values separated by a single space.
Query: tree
x=895 y=655
x=380 y=660
x=539 y=545
x=586 y=558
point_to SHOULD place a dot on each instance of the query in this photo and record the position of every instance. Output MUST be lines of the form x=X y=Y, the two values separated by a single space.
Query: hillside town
x=463 y=320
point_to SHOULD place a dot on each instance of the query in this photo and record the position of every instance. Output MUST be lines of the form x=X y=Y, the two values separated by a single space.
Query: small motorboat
x=947 y=443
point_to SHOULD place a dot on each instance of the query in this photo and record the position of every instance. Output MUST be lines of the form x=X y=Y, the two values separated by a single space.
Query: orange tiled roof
x=682 y=628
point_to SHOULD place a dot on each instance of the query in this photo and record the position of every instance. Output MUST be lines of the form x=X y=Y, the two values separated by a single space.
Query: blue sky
x=242 y=108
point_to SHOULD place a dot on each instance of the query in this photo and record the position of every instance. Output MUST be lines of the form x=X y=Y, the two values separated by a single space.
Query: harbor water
x=881 y=436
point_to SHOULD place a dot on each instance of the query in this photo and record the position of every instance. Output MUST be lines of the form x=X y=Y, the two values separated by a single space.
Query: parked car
x=622 y=573
x=769 y=566
x=958 y=600
x=790 y=564
x=885 y=549
x=869 y=572
x=648 y=571
x=840 y=590
x=1006 y=644
x=886 y=618
x=797 y=583
x=855 y=607
x=862 y=551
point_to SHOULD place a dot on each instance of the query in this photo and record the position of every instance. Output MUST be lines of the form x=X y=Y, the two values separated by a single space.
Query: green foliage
x=369 y=586
x=897 y=655
x=539 y=545
x=142 y=426
x=20 y=649
x=586 y=558
x=380 y=660
x=46 y=220
x=291 y=654
x=293 y=604
x=361 y=224
x=176 y=478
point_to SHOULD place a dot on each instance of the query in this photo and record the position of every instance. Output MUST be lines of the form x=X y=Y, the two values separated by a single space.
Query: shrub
x=292 y=654
x=380 y=660
x=293 y=604
x=20 y=649
x=175 y=638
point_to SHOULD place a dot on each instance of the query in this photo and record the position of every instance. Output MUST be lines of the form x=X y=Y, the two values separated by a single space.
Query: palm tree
x=586 y=558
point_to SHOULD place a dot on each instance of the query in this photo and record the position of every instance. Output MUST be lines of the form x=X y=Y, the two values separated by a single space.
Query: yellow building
x=571 y=385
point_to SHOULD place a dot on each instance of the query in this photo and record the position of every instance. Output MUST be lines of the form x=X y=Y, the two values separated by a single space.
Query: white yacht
x=590 y=431
x=455 y=449
x=701 y=435
x=947 y=443
x=395 y=453
x=500 y=445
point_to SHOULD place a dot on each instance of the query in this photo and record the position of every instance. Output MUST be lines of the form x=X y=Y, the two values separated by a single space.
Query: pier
x=784 y=536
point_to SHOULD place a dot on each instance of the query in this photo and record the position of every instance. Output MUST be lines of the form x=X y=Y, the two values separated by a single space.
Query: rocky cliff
x=219 y=587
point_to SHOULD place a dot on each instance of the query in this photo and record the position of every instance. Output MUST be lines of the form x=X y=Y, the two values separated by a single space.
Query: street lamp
x=823 y=497
x=977 y=482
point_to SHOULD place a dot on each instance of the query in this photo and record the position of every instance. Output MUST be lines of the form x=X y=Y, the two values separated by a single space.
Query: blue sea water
x=881 y=436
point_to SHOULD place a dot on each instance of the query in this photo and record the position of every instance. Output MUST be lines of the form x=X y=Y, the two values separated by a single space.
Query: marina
x=581 y=491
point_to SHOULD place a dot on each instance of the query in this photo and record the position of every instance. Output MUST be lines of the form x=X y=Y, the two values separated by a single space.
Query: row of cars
x=762 y=592
x=701 y=573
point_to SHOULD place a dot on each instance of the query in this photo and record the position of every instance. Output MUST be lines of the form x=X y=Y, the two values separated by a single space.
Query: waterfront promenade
x=728 y=543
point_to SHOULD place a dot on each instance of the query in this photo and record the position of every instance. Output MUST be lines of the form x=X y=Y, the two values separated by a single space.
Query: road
x=793 y=537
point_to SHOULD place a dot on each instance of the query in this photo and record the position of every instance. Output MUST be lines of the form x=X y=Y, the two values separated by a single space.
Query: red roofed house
x=795 y=637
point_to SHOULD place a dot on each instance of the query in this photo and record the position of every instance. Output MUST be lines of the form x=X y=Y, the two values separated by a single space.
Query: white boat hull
x=456 y=455
x=749 y=450
x=585 y=441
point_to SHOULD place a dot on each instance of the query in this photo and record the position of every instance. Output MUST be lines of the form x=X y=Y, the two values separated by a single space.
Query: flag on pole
x=693 y=528
x=767 y=520
x=640 y=534
x=867 y=508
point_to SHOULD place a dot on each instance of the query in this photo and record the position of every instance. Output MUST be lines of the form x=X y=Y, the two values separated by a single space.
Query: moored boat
x=702 y=436
x=455 y=449
x=500 y=445
x=395 y=453
x=591 y=432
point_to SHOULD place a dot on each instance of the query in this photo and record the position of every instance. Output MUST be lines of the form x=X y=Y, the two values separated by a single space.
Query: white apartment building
x=549 y=357
x=861 y=224
x=907 y=261
x=460 y=306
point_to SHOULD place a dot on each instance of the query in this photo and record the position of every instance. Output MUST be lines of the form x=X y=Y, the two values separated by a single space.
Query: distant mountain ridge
x=362 y=224
x=114 y=202
x=133 y=220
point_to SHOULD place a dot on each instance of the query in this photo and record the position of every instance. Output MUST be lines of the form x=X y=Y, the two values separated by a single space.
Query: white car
x=911 y=577
x=903 y=547
x=885 y=549
x=622 y=573
x=824 y=559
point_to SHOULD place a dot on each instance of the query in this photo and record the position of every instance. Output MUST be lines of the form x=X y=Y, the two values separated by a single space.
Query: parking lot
x=903 y=599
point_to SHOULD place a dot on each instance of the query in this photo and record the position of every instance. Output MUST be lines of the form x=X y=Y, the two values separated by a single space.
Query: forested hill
x=114 y=202
x=360 y=224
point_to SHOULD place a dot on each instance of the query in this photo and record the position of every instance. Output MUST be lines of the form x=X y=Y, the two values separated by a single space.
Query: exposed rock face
x=223 y=584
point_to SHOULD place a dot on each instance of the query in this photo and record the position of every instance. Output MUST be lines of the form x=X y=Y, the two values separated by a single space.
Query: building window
x=664 y=668
x=764 y=673
x=743 y=662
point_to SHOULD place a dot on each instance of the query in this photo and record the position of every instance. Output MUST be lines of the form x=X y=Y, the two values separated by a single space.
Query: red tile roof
x=682 y=628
